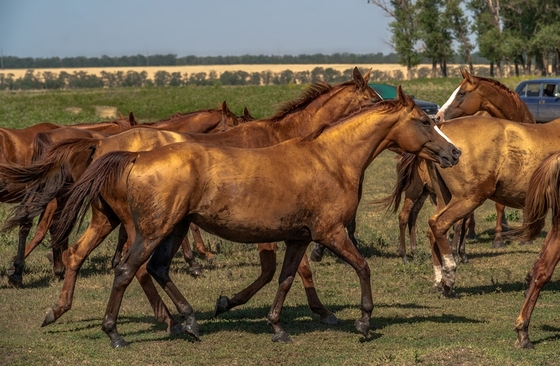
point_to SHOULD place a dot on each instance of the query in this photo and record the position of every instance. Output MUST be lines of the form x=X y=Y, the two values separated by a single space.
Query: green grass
x=410 y=324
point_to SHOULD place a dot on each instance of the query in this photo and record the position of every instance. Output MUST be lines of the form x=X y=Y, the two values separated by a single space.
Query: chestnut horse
x=496 y=164
x=319 y=103
x=16 y=147
x=203 y=121
x=474 y=96
x=543 y=195
x=298 y=191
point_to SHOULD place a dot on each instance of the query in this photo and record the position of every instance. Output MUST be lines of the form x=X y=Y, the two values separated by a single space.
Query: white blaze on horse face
x=446 y=104
x=443 y=135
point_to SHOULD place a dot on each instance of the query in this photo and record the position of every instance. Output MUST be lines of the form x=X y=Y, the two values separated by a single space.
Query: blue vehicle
x=387 y=91
x=542 y=97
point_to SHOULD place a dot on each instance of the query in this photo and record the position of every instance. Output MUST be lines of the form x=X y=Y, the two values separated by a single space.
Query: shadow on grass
x=296 y=321
x=505 y=288
x=548 y=328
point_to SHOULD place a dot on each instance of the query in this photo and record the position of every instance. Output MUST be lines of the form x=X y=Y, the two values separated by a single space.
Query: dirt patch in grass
x=106 y=112
x=74 y=110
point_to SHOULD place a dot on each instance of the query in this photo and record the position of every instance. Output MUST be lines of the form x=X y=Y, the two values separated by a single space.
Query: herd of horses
x=295 y=176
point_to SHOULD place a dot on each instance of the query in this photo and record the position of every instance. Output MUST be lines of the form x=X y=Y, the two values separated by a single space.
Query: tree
x=404 y=29
x=434 y=31
x=460 y=27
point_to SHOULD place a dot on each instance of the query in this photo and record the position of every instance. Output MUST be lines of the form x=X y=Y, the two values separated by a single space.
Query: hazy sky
x=91 y=28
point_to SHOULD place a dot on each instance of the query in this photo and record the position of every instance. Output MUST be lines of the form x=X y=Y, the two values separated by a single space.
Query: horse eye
x=425 y=122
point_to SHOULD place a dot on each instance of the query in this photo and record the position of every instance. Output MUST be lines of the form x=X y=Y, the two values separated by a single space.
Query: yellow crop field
x=219 y=69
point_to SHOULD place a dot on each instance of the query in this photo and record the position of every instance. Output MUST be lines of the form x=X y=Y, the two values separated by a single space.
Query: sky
x=92 y=28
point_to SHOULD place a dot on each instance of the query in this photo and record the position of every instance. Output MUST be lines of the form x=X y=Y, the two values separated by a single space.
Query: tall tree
x=434 y=32
x=405 y=33
x=460 y=26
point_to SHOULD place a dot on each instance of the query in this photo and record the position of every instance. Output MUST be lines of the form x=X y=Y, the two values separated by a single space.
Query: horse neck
x=502 y=104
x=356 y=141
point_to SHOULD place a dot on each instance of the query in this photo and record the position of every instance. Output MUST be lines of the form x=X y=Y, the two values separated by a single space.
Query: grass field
x=410 y=324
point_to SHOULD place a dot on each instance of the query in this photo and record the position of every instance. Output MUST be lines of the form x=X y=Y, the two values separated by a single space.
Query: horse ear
x=403 y=98
x=247 y=115
x=359 y=79
x=131 y=119
x=121 y=115
x=367 y=75
x=467 y=75
x=225 y=107
x=219 y=105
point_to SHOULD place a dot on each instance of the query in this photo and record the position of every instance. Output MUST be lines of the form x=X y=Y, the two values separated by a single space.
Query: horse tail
x=41 y=181
x=103 y=173
x=406 y=166
x=543 y=194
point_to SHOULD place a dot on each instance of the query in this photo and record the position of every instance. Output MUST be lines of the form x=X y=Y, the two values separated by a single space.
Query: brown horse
x=496 y=164
x=321 y=101
x=16 y=147
x=474 y=96
x=543 y=195
x=202 y=121
x=298 y=191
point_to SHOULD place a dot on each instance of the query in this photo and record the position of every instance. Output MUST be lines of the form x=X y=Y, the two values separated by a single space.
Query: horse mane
x=502 y=87
x=311 y=93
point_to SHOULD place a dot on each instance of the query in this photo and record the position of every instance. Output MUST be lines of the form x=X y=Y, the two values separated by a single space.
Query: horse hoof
x=49 y=318
x=471 y=237
x=221 y=305
x=175 y=329
x=362 y=327
x=448 y=293
x=330 y=319
x=464 y=259
x=281 y=337
x=524 y=344
x=404 y=260
x=316 y=255
x=498 y=244
x=196 y=271
x=119 y=343
x=191 y=327
x=15 y=281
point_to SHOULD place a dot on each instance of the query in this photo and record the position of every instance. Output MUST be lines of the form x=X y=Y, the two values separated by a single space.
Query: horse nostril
x=456 y=152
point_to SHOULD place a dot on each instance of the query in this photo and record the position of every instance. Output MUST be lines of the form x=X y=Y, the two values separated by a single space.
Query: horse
x=299 y=117
x=298 y=191
x=543 y=195
x=201 y=121
x=16 y=147
x=475 y=95
x=496 y=164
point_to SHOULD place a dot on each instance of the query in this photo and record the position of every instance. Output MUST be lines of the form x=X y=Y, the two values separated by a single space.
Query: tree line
x=37 y=80
x=13 y=62
x=515 y=36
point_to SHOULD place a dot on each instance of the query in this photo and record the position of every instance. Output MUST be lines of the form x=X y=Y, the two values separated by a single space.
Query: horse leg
x=123 y=237
x=541 y=273
x=200 y=247
x=444 y=263
x=98 y=229
x=339 y=243
x=158 y=268
x=292 y=258
x=161 y=311
x=43 y=225
x=471 y=223
x=195 y=269
x=267 y=255
x=134 y=258
x=404 y=221
x=316 y=306
x=498 y=241
x=15 y=274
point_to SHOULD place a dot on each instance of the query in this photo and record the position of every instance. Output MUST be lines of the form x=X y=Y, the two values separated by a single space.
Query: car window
x=550 y=90
x=531 y=90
